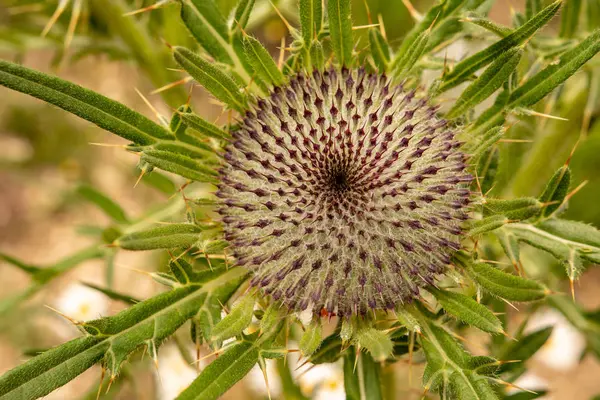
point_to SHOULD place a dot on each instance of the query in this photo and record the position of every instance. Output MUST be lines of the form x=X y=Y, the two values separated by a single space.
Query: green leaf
x=30 y=269
x=238 y=319
x=556 y=190
x=450 y=369
x=111 y=294
x=468 y=310
x=570 y=18
x=242 y=15
x=163 y=237
x=311 y=17
x=488 y=224
x=217 y=82
x=485 y=23
x=262 y=62
x=545 y=81
x=481 y=144
x=523 y=349
x=514 y=209
x=403 y=65
x=436 y=16
x=568 y=241
x=503 y=285
x=106 y=204
x=329 y=351
x=203 y=127
x=491 y=80
x=112 y=339
x=89 y=105
x=361 y=376
x=311 y=338
x=466 y=68
x=179 y=164
x=532 y=7
x=380 y=50
x=377 y=343
x=228 y=368
x=207 y=25
x=340 y=30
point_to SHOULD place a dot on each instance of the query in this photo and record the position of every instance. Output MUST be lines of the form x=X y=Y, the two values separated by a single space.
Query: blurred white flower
x=563 y=349
x=321 y=381
x=82 y=303
x=174 y=373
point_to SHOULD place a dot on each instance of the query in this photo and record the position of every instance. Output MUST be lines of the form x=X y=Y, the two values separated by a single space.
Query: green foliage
x=520 y=65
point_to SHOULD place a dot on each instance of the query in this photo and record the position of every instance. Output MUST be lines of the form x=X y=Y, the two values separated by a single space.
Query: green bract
x=370 y=182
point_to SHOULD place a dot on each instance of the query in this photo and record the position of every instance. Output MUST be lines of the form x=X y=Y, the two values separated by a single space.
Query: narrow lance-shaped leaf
x=102 y=111
x=106 y=204
x=502 y=284
x=538 y=86
x=340 y=30
x=229 y=368
x=212 y=78
x=162 y=237
x=556 y=190
x=207 y=25
x=485 y=23
x=236 y=321
x=262 y=62
x=434 y=17
x=114 y=338
x=401 y=66
x=311 y=16
x=469 y=66
x=203 y=127
x=311 y=338
x=468 y=310
x=179 y=164
x=570 y=18
x=491 y=80
x=380 y=50
x=242 y=15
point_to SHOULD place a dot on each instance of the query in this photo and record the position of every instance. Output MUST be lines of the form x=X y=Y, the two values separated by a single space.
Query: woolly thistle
x=338 y=186
x=343 y=191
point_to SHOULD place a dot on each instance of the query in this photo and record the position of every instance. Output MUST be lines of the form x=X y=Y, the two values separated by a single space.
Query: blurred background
x=48 y=160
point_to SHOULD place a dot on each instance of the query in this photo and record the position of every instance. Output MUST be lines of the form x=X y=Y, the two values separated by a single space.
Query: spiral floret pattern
x=342 y=191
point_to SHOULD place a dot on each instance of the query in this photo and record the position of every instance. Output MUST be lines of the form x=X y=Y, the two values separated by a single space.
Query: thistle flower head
x=343 y=191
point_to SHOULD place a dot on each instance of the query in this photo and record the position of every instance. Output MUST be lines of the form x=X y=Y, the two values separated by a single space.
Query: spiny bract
x=343 y=191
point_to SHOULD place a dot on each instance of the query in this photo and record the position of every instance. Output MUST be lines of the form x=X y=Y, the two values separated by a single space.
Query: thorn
x=139 y=178
x=172 y=85
x=356 y=359
x=62 y=5
x=110 y=382
x=122 y=146
x=282 y=49
x=358 y=27
x=574 y=191
x=543 y=115
x=571 y=154
x=101 y=382
x=263 y=367
x=511 y=385
x=65 y=316
x=285 y=22
x=515 y=141
x=75 y=14
x=572 y=285
x=417 y=16
x=381 y=26
x=149 y=8
x=160 y=117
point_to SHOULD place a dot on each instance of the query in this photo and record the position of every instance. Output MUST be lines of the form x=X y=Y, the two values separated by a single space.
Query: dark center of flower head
x=342 y=191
